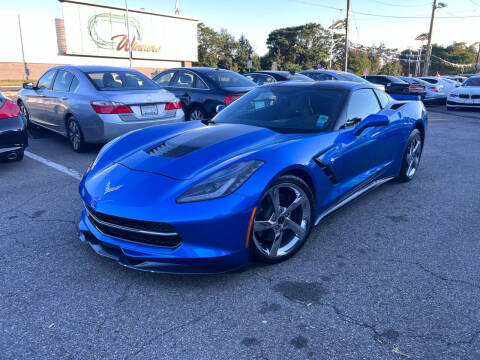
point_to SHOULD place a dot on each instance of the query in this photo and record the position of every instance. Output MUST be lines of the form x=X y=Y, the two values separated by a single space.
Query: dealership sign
x=102 y=31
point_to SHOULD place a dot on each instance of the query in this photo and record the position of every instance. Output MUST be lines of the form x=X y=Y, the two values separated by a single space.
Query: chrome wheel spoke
x=275 y=196
x=259 y=225
x=296 y=228
x=276 y=243
x=299 y=200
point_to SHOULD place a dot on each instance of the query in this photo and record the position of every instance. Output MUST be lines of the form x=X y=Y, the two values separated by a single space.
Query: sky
x=257 y=18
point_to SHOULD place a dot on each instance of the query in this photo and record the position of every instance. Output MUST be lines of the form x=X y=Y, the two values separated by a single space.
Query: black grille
x=475 y=96
x=464 y=96
x=131 y=230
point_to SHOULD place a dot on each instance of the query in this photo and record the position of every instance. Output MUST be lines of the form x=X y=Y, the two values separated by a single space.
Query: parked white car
x=445 y=85
x=466 y=96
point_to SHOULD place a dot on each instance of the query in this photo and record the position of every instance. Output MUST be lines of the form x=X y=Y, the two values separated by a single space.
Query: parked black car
x=202 y=89
x=13 y=131
x=393 y=85
x=263 y=77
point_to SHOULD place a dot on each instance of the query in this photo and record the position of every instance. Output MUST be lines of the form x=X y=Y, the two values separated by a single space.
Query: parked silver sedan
x=94 y=104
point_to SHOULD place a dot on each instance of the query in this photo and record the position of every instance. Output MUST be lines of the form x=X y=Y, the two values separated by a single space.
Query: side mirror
x=28 y=85
x=371 y=121
x=219 y=108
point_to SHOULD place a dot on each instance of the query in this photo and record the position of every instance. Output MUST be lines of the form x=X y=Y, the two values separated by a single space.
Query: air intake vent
x=396 y=106
x=171 y=150
x=327 y=171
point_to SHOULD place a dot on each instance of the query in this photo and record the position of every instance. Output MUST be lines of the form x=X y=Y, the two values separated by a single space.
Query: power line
x=475 y=3
x=403 y=5
x=382 y=15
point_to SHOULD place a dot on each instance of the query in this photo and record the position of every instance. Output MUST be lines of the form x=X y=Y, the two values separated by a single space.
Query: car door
x=356 y=158
x=61 y=99
x=38 y=101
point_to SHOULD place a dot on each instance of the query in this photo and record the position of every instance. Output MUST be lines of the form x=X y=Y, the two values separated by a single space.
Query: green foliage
x=306 y=46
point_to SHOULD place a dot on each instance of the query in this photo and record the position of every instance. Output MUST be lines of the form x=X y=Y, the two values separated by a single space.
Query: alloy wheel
x=414 y=151
x=74 y=134
x=196 y=115
x=282 y=220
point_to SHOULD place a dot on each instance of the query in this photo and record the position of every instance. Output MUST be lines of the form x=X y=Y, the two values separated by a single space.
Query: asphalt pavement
x=394 y=275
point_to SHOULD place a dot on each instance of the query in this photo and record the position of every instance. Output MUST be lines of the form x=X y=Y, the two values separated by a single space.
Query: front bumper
x=213 y=233
x=464 y=103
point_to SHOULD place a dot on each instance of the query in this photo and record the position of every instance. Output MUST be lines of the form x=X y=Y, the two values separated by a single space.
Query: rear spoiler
x=405 y=97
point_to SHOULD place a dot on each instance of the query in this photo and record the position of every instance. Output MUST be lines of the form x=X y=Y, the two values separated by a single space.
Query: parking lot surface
x=393 y=275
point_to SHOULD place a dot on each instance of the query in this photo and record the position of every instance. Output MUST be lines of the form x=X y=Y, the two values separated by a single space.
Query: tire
x=279 y=234
x=197 y=113
x=26 y=115
x=75 y=135
x=20 y=154
x=411 y=156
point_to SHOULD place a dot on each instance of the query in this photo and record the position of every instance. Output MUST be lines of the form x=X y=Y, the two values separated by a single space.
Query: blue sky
x=256 y=18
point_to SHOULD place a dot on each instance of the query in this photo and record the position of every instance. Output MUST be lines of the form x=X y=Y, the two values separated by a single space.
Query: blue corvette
x=252 y=182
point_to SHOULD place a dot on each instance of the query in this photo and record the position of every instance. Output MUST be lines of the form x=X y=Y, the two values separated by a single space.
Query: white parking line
x=63 y=169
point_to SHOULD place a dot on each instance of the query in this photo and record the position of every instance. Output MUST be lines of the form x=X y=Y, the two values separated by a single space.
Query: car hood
x=198 y=148
x=469 y=90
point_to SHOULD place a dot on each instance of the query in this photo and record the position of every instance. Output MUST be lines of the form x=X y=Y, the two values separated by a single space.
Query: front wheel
x=75 y=136
x=411 y=157
x=283 y=220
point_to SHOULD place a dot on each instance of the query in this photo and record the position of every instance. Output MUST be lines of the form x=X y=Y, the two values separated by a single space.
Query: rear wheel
x=20 y=154
x=197 y=113
x=283 y=220
x=411 y=157
x=75 y=136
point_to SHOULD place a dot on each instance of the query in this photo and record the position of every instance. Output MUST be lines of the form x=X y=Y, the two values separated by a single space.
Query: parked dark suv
x=393 y=85
x=201 y=89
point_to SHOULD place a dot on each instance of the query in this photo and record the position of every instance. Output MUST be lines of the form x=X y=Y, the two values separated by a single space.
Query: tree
x=298 y=47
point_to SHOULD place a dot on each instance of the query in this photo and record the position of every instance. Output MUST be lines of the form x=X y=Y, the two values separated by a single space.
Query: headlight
x=222 y=183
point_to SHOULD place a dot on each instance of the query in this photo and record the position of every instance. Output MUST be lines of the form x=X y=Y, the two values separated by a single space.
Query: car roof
x=89 y=68
x=278 y=72
x=327 y=84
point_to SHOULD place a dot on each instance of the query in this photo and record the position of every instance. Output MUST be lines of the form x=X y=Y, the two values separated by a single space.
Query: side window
x=62 y=81
x=263 y=79
x=362 y=103
x=322 y=77
x=46 y=80
x=164 y=78
x=74 y=84
x=250 y=77
x=199 y=83
x=382 y=97
x=184 y=79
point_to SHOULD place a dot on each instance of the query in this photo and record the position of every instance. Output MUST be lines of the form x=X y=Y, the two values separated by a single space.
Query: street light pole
x=347 y=27
x=429 y=44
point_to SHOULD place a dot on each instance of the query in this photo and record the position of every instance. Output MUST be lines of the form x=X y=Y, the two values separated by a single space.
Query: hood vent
x=171 y=150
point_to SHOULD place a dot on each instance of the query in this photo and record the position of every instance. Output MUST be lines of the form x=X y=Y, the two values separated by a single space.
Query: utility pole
x=429 y=44
x=347 y=28
x=477 y=66
x=128 y=35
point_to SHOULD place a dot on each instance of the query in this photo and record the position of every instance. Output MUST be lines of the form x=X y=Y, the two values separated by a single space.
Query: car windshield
x=353 y=77
x=395 y=80
x=300 y=77
x=286 y=109
x=473 y=81
x=121 y=80
x=226 y=78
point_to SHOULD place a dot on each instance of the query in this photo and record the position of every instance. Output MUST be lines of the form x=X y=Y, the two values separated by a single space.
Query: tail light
x=173 y=105
x=416 y=87
x=9 y=110
x=231 y=98
x=434 y=88
x=108 y=107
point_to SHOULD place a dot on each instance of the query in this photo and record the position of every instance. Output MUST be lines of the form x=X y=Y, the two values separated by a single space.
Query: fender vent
x=327 y=171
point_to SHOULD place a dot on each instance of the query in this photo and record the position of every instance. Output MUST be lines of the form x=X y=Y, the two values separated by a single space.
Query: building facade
x=93 y=34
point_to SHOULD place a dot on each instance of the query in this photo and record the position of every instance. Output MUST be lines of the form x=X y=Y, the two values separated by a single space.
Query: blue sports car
x=208 y=196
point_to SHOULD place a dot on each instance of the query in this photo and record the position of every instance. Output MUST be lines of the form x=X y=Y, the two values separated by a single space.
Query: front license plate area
x=149 y=110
